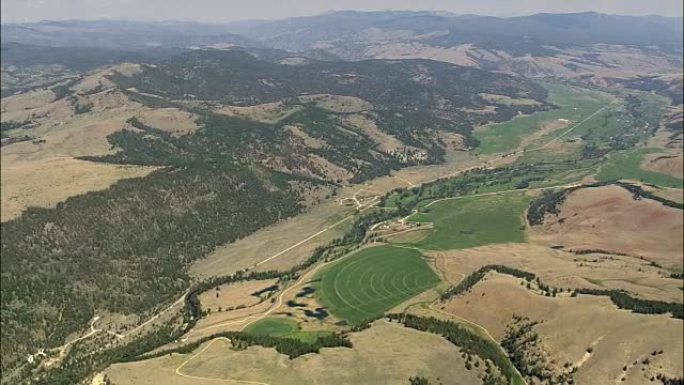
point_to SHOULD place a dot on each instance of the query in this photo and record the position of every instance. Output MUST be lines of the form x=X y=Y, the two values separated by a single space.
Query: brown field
x=44 y=183
x=367 y=126
x=236 y=319
x=571 y=325
x=666 y=139
x=98 y=78
x=32 y=107
x=670 y=164
x=457 y=55
x=563 y=269
x=383 y=354
x=171 y=120
x=43 y=173
x=26 y=101
x=271 y=241
x=307 y=140
x=93 y=81
x=619 y=61
x=609 y=219
x=234 y=295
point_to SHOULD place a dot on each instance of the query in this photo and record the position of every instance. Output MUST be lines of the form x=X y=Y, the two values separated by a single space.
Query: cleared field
x=608 y=218
x=571 y=325
x=563 y=269
x=45 y=171
x=283 y=327
x=277 y=241
x=475 y=221
x=46 y=182
x=575 y=105
x=171 y=120
x=236 y=294
x=372 y=281
x=628 y=165
x=383 y=354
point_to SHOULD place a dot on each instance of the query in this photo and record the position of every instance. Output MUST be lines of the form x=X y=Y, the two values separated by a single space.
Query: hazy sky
x=229 y=10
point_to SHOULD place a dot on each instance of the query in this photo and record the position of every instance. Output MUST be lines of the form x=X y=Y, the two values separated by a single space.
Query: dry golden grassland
x=570 y=325
x=383 y=354
x=562 y=269
x=44 y=183
x=45 y=171
x=238 y=294
x=172 y=120
x=276 y=242
x=670 y=164
x=366 y=125
x=608 y=218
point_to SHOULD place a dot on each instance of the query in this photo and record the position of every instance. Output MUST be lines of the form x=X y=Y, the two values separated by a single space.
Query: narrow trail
x=362 y=208
x=480 y=328
x=153 y=318
x=62 y=349
x=587 y=355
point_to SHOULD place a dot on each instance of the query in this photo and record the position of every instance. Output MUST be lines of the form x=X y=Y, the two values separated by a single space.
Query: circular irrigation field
x=372 y=281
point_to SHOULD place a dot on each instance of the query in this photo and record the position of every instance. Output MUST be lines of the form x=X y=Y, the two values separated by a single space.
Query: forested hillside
x=418 y=102
x=125 y=249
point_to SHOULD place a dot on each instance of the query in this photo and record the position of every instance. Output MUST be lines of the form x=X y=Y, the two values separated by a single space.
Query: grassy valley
x=400 y=198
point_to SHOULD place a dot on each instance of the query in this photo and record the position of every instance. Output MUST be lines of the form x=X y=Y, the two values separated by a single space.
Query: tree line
x=469 y=342
x=621 y=299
